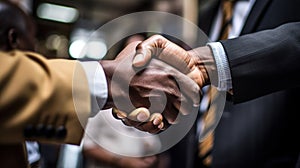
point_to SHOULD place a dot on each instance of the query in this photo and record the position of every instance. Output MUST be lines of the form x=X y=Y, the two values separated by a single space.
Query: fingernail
x=161 y=126
x=138 y=60
x=119 y=114
x=142 y=117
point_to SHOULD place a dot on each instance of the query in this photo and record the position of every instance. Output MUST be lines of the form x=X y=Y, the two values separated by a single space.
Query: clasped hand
x=154 y=81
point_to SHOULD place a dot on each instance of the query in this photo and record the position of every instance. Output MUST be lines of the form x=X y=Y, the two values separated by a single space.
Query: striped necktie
x=227 y=11
x=205 y=147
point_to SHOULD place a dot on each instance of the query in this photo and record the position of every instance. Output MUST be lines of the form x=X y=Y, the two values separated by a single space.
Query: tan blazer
x=42 y=100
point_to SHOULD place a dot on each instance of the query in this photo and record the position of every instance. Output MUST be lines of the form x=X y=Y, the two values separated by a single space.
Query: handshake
x=152 y=82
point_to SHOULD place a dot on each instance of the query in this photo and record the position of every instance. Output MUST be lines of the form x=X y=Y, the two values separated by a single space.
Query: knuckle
x=157 y=36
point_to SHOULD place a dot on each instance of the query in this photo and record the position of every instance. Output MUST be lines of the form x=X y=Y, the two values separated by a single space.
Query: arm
x=264 y=62
x=157 y=87
x=260 y=63
x=49 y=100
x=38 y=92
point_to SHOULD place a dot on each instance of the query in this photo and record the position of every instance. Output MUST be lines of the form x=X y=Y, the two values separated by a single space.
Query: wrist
x=109 y=68
x=223 y=78
x=97 y=85
x=205 y=63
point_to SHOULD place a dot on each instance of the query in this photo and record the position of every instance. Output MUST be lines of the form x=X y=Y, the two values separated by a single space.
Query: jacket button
x=49 y=131
x=61 y=132
x=40 y=130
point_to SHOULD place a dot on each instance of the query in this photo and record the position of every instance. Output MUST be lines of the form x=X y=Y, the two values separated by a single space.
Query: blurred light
x=87 y=44
x=77 y=48
x=57 y=13
x=55 y=41
x=58 y=45
x=96 y=49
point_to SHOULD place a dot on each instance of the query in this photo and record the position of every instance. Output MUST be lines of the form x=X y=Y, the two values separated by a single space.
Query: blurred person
x=17 y=28
x=43 y=102
x=272 y=74
x=17 y=33
x=247 y=135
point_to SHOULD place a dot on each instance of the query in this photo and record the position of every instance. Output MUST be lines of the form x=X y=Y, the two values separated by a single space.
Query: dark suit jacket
x=261 y=132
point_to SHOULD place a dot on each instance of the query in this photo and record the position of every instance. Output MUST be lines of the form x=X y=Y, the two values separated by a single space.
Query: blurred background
x=62 y=24
x=62 y=27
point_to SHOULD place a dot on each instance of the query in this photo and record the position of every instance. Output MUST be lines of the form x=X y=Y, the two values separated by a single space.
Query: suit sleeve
x=264 y=62
x=42 y=100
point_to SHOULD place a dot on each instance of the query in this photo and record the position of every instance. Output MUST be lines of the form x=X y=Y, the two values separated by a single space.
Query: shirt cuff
x=97 y=85
x=224 y=76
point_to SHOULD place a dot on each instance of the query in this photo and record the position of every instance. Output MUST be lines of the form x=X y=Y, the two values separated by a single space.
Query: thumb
x=140 y=114
x=143 y=54
x=151 y=47
x=164 y=50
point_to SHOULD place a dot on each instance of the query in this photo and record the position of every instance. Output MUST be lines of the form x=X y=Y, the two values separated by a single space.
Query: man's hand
x=198 y=63
x=155 y=90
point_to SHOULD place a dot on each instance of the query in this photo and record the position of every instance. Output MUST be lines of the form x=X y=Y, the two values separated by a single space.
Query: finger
x=118 y=114
x=142 y=57
x=156 y=119
x=134 y=119
x=127 y=50
x=140 y=114
x=144 y=52
x=190 y=90
x=154 y=125
x=148 y=127
x=162 y=49
x=170 y=114
x=187 y=86
x=131 y=123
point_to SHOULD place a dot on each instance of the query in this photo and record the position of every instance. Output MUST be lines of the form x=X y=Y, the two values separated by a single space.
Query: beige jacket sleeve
x=40 y=99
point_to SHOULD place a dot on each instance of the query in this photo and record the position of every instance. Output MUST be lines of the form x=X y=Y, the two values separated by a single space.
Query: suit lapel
x=207 y=12
x=255 y=14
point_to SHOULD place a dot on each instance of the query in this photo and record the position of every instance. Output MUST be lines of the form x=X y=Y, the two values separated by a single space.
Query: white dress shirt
x=33 y=153
x=240 y=14
x=97 y=85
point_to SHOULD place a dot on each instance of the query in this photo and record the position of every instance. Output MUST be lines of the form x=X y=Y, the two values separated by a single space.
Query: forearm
x=52 y=93
x=264 y=62
x=206 y=64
